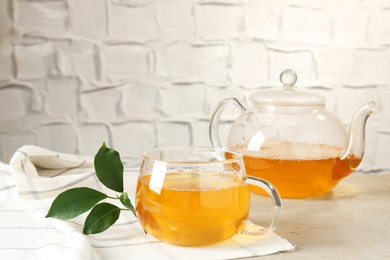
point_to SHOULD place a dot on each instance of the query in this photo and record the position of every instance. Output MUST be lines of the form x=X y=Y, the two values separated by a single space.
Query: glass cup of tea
x=194 y=196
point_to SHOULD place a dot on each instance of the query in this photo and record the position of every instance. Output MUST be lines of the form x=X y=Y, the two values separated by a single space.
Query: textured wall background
x=145 y=73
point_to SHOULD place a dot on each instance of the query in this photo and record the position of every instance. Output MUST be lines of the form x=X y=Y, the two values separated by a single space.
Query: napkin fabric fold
x=40 y=175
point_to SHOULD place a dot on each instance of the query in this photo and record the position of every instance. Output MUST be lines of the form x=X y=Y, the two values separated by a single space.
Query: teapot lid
x=287 y=96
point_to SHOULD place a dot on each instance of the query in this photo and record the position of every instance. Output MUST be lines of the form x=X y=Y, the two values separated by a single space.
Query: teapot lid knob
x=287 y=95
x=288 y=77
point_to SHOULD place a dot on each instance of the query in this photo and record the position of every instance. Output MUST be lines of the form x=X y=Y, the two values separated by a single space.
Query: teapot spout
x=357 y=131
x=351 y=157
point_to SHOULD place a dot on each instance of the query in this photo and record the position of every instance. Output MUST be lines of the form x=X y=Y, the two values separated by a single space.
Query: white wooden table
x=353 y=222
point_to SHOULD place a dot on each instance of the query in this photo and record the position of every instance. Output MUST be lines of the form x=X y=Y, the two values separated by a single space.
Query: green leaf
x=101 y=217
x=109 y=168
x=124 y=198
x=73 y=202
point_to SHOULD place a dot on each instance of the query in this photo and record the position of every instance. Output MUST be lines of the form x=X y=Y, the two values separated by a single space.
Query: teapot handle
x=216 y=116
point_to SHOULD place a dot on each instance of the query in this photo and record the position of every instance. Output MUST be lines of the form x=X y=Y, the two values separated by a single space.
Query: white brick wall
x=136 y=24
x=147 y=73
x=44 y=19
x=217 y=22
x=89 y=18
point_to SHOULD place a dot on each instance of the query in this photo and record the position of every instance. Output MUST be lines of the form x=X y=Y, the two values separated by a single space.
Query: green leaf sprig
x=73 y=202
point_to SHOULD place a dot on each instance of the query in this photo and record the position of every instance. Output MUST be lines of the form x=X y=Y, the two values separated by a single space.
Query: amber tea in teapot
x=312 y=176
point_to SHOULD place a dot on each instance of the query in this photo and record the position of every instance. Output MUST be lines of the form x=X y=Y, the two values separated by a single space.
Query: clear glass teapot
x=289 y=139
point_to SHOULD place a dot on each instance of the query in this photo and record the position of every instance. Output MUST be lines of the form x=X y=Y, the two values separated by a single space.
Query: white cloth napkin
x=40 y=175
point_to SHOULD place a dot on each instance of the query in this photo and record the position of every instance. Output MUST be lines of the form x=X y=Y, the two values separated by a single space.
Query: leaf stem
x=114 y=198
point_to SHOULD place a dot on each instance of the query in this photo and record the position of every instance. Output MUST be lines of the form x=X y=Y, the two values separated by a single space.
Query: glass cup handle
x=252 y=229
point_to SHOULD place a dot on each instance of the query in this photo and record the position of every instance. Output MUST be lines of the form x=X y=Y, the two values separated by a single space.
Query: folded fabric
x=40 y=175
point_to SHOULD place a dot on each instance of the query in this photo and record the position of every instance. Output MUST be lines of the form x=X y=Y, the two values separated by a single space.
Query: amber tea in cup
x=196 y=196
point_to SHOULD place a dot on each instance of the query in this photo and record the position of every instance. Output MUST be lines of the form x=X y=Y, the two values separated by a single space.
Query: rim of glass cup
x=237 y=155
